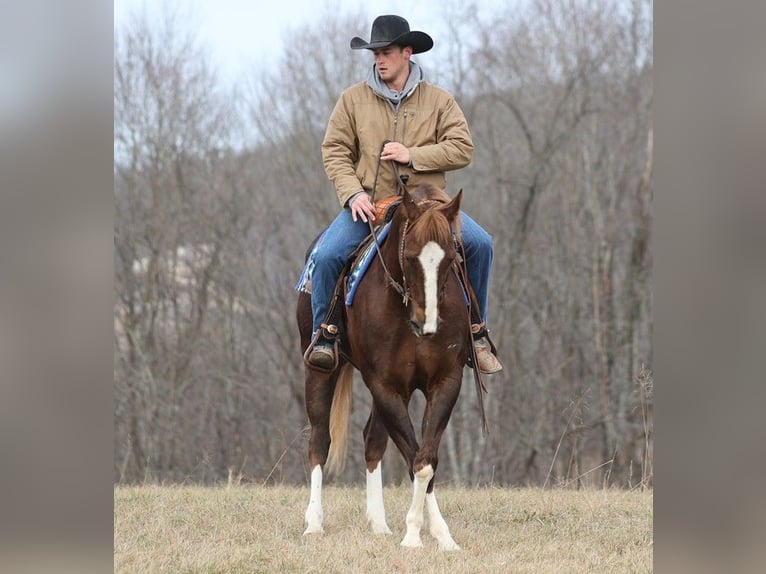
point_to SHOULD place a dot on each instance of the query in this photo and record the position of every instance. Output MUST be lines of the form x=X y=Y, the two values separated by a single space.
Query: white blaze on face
x=430 y=257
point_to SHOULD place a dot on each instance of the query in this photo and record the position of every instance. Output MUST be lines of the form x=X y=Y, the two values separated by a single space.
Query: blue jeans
x=344 y=234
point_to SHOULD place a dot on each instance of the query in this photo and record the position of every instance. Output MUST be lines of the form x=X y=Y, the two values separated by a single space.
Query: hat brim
x=420 y=42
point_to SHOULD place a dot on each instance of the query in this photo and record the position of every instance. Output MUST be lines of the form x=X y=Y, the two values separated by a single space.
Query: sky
x=241 y=32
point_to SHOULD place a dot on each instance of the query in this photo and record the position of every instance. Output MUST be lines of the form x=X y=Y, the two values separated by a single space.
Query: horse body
x=400 y=342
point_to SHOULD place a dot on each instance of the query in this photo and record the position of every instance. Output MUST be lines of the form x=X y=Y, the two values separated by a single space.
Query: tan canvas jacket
x=430 y=123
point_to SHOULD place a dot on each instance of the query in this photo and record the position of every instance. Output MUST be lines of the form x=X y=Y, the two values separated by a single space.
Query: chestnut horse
x=407 y=330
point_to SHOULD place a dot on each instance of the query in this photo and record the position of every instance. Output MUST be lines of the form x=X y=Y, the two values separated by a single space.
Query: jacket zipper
x=404 y=126
x=396 y=120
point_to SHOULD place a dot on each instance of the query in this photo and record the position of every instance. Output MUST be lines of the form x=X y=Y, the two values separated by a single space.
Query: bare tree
x=179 y=229
x=561 y=122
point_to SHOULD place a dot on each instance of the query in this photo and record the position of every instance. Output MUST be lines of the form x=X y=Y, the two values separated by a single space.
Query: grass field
x=251 y=529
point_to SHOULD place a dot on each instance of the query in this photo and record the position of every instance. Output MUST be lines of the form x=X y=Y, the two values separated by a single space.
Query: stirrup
x=482 y=340
x=479 y=331
x=328 y=334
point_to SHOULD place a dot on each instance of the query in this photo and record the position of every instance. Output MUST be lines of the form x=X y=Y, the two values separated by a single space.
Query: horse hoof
x=314 y=530
x=380 y=529
x=449 y=546
x=412 y=542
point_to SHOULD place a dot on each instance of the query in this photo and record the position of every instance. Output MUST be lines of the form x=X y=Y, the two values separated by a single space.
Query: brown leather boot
x=487 y=362
x=322 y=356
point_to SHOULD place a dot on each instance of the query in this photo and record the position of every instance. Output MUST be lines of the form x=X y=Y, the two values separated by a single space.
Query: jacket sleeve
x=453 y=148
x=340 y=150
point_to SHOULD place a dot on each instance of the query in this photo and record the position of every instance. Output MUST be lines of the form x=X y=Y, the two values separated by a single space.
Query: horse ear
x=452 y=209
x=413 y=211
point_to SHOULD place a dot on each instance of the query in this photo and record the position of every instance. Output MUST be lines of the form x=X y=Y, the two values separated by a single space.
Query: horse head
x=427 y=252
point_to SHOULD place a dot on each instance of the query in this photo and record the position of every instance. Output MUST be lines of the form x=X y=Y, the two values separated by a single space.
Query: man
x=428 y=135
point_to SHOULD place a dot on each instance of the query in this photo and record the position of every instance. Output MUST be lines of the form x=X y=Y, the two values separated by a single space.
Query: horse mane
x=432 y=225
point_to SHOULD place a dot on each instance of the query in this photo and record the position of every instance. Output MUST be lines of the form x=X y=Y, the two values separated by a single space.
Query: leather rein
x=400 y=187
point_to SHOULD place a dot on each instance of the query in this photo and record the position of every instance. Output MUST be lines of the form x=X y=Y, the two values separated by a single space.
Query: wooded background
x=218 y=191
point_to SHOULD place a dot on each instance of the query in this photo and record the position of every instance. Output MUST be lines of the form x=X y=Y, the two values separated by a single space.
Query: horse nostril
x=415 y=328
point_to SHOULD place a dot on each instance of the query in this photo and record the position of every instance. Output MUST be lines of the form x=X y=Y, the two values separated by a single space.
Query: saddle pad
x=362 y=264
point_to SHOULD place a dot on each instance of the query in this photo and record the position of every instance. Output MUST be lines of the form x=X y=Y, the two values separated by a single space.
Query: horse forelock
x=432 y=225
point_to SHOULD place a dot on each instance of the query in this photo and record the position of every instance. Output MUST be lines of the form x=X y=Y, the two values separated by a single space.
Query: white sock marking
x=438 y=526
x=430 y=257
x=414 y=518
x=376 y=512
x=314 y=511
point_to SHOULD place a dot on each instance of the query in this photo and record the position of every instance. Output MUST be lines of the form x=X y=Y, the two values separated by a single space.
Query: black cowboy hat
x=387 y=30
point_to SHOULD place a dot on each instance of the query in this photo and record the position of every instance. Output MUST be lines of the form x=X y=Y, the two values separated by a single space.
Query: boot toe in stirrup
x=322 y=357
x=487 y=362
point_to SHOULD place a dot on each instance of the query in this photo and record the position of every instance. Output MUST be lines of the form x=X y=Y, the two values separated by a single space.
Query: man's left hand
x=396 y=152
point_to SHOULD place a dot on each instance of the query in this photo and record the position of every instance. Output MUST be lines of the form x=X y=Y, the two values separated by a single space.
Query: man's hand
x=363 y=207
x=396 y=152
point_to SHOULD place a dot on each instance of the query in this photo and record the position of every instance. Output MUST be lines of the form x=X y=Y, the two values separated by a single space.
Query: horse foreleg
x=414 y=519
x=439 y=405
x=392 y=409
x=376 y=511
x=437 y=525
x=375 y=441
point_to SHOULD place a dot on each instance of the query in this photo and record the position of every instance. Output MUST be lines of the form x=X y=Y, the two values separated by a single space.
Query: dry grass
x=259 y=529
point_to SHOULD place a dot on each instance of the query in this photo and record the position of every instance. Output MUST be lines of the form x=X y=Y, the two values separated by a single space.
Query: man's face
x=393 y=63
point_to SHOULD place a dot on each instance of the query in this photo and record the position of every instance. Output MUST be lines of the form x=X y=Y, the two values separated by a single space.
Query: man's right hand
x=362 y=207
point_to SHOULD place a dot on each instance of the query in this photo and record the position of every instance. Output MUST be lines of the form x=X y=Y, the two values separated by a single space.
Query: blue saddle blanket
x=355 y=277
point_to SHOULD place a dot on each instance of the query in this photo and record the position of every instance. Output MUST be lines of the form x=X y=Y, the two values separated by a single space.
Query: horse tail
x=340 y=414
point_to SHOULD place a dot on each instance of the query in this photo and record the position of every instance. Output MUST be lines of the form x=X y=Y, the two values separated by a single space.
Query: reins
x=461 y=270
x=400 y=186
